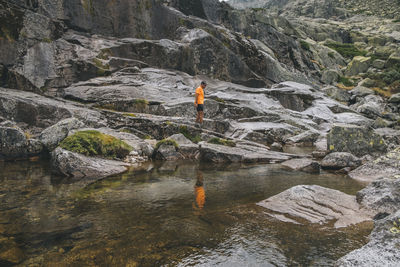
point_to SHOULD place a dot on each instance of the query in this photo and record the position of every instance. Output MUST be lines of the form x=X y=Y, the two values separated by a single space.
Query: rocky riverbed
x=100 y=97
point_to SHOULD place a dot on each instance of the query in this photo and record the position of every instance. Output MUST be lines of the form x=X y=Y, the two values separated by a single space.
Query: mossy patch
x=345 y=81
x=184 y=130
x=95 y=143
x=346 y=50
x=305 y=45
x=221 y=141
x=168 y=142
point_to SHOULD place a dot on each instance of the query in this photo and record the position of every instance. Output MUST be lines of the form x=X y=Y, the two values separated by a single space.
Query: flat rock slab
x=315 y=204
x=240 y=153
x=383 y=167
x=79 y=166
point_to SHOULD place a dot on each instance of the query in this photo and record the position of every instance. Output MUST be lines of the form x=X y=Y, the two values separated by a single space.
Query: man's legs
x=201 y=116
x=198 y=117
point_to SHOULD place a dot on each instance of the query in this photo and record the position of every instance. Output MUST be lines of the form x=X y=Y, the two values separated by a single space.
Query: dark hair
x=203 y=83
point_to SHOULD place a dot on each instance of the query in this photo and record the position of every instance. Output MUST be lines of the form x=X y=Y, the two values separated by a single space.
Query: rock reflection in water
x=147 y=218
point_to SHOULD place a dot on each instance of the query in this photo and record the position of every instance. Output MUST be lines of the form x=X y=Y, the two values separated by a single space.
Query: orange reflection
x=199 y=193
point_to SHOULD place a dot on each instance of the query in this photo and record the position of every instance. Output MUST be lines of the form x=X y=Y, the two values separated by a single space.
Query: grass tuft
x=168 y=142
x=220 y=141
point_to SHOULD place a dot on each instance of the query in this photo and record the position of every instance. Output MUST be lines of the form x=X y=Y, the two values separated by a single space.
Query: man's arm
x=195 y=99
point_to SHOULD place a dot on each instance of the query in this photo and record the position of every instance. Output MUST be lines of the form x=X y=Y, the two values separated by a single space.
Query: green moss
x=100 y=64
x=346 y=50
x=88 y=6
x=184 y=130
x=95 y=143
x=147 y=136
x=130 y=115
x=141 y=102
x=305 y=45
x=220 y=100
x=345 y=81
x=167 y=142
x=396 y=20
x=220 y=141
x=331 y=55
x=46 y=40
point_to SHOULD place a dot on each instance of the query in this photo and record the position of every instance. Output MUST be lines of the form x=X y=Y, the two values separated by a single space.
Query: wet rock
x=381 y=250
x=240 y=153
x=315 y=204
x=305 y=165
x=339 y=160
x=385 y=166
x=53 y=135
x=355 y=139
x=307 y=138
x=359 y=64
x=382 y=196
x=15 y=145
x=79 y=166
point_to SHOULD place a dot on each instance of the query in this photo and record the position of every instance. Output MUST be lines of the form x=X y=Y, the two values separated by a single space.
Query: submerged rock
x=305 y=165
x=385 y=166
x=382 y=249
x=339 y=160
x=79 y=166
x=315 y=204
x=15 y=145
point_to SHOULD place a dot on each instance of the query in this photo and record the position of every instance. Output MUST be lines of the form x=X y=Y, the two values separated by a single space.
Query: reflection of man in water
x=199 y=193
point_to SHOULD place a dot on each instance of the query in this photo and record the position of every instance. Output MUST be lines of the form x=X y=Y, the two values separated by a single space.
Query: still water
x=175 y=214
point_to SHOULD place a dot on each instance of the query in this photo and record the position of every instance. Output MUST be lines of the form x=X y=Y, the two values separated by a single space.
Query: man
x=199 y=102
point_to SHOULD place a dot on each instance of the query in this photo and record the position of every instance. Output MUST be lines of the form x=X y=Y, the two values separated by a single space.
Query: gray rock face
x=395 y=98
x=355 y=139
x=53 y=135
x=315 y=204
x=307 y=138
x=330 y=76
x=15 y=145
x=385 y=166
x=337 y=94
x=381 y=250
x=339 y=160
x=79 y=166
x=305 y=165
x=382 y=196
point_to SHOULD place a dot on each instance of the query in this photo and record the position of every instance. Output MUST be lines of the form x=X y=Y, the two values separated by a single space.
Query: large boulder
x=339 y=160
x=15 y=145
x=359 y=64
x=53 y=135
x=315 y=204
x=305 y=165
x=382 y=196
x=385 y=166
x=307 y=138
x=357 y=140
x=79 y=166
x=381 y=250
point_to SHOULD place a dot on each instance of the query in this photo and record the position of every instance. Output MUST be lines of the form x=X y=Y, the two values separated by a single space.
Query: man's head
x=203 y=84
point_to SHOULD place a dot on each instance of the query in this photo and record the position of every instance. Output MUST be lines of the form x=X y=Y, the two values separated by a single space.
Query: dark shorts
x=200 y=107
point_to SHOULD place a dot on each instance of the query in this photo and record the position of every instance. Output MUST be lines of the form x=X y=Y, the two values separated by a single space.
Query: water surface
x=153 y=217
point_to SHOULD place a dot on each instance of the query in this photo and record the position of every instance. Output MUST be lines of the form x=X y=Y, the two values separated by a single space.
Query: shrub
x=94 y=143
x=220 y=141
x=346 y=50
x=345 y=81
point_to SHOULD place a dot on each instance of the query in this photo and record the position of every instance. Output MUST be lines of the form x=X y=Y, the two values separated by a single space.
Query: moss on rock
x=95 y=143
x=220 y=141
x=167 y=142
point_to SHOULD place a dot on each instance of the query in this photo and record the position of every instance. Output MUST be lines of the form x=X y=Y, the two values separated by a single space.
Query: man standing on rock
x=199 y=102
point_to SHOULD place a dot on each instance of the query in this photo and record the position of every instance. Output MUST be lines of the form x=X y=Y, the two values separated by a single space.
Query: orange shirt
x=200 y=95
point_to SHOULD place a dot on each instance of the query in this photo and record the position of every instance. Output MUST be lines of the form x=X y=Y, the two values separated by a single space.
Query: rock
x=379 y=64
x=393 y=60
x=293 y=95
x=367 y=82
x=339 y=160
x=276 y=147
x=372 y=106
x=382 y=196
x=79 y=166
x=391 y=136
x=315 y=204
x=355 y=139
x=359 y=64
x=337 y=94
x=53 y=135
x=381 y=250
x=361 y=91
x=240 y=153
x=15 y=145
x=168 y=152
x=306 y=165
x=385 y=166
x=330 y=76
x=307 y=138
x=395 y=98
x=319 y=154
x=187 y=148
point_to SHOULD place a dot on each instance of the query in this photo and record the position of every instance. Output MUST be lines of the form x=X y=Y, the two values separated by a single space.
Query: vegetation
x=95 y=143
x=305 y=45
x=184 y=130
x=331 y=55
x=345 y=81
x=168 y=142
x=346 y=50
x=129 y=115
x=389 y=78
x=220 y=141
